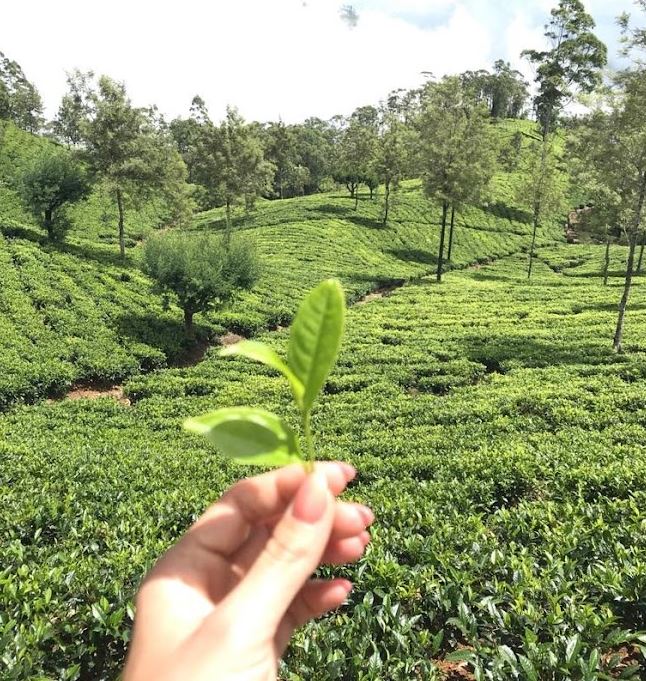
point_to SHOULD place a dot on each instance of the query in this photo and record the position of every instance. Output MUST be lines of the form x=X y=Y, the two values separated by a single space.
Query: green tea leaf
x=266 y=355
x=315 y=337
x=248 y=436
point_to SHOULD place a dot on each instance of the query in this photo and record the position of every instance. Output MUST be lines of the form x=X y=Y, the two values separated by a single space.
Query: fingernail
x=311 y=499
x=365 y=538
x=346 y=584
x=349 y=471
x=366 y=514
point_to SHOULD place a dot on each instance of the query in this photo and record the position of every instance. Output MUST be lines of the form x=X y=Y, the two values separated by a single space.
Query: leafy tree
x=457 y=149
x=357 y=151
x=128 y=150
x=282 y=153
x=52 y=181
x=613 y=145
x=231 y=164
x=541 y=189
x=19 y=99
x=572 y=63
x=74 y=109
x=314 y=141
x=504 y=92
x=391 y=156
x=203 y=272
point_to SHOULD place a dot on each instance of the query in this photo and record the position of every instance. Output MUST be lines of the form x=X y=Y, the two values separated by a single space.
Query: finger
x=315 y=599
x=350 y=520
x=225 y=526
x=345 y=551
x=288 y=558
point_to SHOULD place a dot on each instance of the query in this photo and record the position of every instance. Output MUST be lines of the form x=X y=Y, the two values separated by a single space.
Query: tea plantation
x=499 y=440
x=74 y=313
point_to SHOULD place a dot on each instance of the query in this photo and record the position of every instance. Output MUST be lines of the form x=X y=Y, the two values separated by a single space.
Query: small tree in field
x=541 y=189
x=52 y=181
x=203 y=272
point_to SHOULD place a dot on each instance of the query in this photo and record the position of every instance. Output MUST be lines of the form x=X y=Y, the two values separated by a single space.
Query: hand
x=223 y=603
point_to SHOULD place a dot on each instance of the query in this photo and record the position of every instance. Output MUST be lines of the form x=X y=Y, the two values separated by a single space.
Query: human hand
x=224 y=601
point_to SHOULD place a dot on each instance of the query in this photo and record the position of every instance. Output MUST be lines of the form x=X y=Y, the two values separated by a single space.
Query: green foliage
x=573 y=62
x=504 y=91
x=19 y=99
x=126 y=148
x=261 y=438
x=204 y=272
x=51 y=182
x=499 y=438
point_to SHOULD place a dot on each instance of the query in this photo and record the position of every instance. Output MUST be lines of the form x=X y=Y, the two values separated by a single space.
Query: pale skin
x=224 y=602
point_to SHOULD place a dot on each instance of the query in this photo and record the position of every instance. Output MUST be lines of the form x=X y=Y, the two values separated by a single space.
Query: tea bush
x=499 y=440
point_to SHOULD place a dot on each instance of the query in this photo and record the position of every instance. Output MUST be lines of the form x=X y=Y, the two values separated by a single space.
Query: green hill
x=73 y=313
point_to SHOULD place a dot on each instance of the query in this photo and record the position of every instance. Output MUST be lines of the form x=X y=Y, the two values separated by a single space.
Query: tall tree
x=613 y=144
x=505 y=91
x=232 y=165
x=541 y=189
x=457 y=150
x=281 y=151
x=357 y=150
x=126 y=148
x=572 y=63
x=74 y=109
x=19 y=99
x=391 y=156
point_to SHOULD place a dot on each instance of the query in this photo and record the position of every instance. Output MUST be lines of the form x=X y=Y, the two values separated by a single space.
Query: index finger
x=224 y=526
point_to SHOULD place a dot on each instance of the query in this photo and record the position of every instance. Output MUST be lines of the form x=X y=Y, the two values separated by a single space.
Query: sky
x=287 y=59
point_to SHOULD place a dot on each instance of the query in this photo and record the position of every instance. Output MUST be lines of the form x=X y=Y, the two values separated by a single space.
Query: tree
x=391 y=156
x=134 y=157
x=357 y=149
x=613 y=145
x=52 y=181
x=457 y=150
x=504 y=92
x=232 y=165
x=203 y=272
x=19 y=99
x=281 y=152
x=74 y=109
x=572 y=63
x=541 y=189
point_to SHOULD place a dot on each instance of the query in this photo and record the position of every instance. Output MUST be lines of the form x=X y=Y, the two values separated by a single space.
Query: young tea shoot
x=257 y=437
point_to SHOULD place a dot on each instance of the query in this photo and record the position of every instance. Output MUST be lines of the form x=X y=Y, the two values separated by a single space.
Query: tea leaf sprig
x=249 y=435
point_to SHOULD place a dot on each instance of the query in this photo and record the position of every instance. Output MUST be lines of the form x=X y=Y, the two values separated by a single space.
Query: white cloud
x=288 y=58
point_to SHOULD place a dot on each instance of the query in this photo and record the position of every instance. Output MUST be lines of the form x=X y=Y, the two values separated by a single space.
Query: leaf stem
x=309 y=442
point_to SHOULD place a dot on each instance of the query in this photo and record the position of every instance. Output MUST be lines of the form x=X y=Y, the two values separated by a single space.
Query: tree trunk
x=188 y=324
x=49 y=223
x=606 y=262
x=356 y=197
x=227 y=230
x=122 y=237
x=531 y=249
x=641 y=254
x=386 y=203
x=448 y=255
x=619 y=332
x=440 y=256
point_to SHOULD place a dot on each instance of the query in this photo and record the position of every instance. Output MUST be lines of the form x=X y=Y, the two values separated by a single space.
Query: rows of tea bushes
x=499 y=440
x=73 y=312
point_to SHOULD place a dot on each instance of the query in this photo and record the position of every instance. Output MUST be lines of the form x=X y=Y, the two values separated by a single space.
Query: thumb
x=291 y=554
